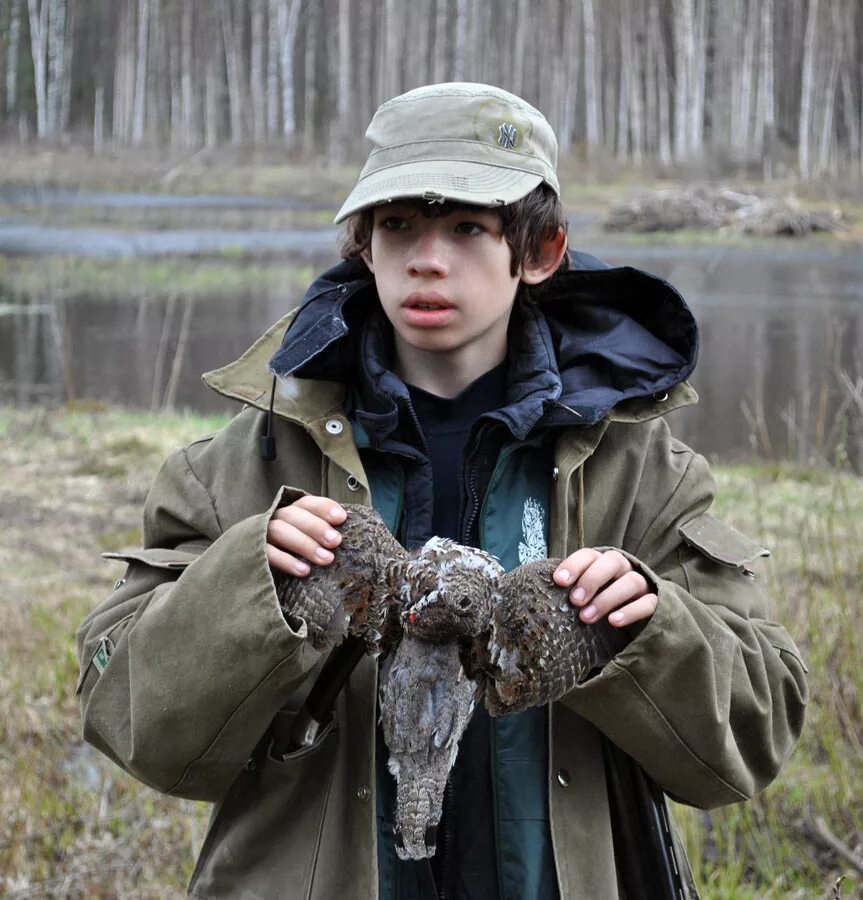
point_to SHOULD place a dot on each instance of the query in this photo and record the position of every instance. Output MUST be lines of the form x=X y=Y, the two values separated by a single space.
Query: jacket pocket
x=721 y=542
x=265 y=835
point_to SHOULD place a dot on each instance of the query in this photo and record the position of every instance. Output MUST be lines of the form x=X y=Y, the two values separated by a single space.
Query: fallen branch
x=817 y=831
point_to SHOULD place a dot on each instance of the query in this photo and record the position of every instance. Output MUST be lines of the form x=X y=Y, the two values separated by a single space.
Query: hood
x=596 y=340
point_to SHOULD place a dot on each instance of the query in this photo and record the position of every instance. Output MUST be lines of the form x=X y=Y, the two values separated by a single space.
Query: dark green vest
x=514 y=527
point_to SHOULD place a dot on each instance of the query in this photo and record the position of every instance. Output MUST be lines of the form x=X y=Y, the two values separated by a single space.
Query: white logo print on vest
x=533 y=546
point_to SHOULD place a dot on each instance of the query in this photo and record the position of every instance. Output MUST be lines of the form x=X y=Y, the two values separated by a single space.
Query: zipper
x=471 y=492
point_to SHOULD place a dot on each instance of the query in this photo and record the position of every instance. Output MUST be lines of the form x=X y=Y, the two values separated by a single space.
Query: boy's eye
x=393 y=223
x=469 y=228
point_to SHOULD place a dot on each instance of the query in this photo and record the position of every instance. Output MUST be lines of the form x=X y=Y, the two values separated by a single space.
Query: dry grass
x=72 y=825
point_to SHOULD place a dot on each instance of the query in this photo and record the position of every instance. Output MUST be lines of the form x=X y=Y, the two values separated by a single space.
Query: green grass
x=71 y=824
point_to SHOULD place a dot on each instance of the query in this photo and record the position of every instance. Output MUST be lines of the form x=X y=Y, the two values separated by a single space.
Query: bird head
x=449 y=591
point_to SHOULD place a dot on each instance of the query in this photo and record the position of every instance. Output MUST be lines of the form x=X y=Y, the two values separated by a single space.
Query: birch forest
x=772 y=85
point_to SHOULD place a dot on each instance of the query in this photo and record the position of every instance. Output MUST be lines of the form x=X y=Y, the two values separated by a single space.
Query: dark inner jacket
x=573 y=354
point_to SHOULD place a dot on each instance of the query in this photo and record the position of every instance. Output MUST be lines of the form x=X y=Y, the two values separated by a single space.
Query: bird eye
x=464 y=603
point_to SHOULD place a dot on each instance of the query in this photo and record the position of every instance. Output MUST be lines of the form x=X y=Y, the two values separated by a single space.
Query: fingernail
x=588 y=613
x=616 y=617
x=336 y=512
x=323 y=554
x=562 y=575
x=578 y=595
x=331 y=535
x=301 y=568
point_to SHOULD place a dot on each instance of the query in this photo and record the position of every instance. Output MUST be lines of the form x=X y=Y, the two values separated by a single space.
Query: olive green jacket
x=190 y=662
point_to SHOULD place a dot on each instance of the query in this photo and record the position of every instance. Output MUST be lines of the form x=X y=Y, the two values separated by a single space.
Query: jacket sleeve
x=709 y=697
x=184 y=666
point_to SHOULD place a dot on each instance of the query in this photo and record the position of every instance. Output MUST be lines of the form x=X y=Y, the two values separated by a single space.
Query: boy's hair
x=526 y=223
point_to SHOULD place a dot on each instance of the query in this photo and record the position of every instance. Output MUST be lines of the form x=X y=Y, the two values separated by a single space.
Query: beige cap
x=463 y=142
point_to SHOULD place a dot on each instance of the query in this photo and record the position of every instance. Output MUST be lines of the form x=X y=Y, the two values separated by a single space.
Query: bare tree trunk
x=591 y=80
x=698 y=79
x=310 y=103
x=187 y=86
x=212 y=87
x=625 y=89
x=828 y=105
x=273 y=62
x=461 y=35
x=99 y=121
x=257 y=86
x=519 y=47
x=346 y=76
x=141 y=72
x=765 y=116
x=747 y=79
x=232 y=43
x=663 y=95
x=440 y=30
x=637 y=99
x=288 y=22
x=12 y=57
x=56 y=64
x=39 y=48
x=684 y=51
x=806 y=90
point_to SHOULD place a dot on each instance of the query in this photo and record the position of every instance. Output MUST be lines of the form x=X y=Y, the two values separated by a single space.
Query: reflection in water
x=777 y=334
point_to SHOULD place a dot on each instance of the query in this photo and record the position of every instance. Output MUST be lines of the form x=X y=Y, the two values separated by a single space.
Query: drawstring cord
x=579 y=522
x=268 y=442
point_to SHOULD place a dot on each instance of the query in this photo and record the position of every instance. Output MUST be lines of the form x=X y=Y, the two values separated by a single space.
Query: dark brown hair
x=525 y=225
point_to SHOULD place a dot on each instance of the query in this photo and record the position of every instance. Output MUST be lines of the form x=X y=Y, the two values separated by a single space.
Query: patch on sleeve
x=103 y=654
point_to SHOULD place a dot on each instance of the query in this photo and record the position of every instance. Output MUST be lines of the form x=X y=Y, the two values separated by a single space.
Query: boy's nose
x=428 y=254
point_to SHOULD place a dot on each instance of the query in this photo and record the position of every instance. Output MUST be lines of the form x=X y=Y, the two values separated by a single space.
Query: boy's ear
x=550 y=256
x=367 y=259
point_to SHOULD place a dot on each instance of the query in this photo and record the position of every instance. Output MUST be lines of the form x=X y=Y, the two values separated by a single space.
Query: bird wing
x=356 y=592
x=539 y=648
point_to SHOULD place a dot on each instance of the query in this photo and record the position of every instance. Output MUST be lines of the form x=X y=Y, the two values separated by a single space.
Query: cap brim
x=479 y=184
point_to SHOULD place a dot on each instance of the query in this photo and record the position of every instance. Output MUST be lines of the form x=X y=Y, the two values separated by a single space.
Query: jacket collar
x=599 y=343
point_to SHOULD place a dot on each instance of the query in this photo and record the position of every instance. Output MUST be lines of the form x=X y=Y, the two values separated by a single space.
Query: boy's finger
x=286 y=536
x=571 y=569
x=637 y=611
x=630 y=586
x=608 y=567
x=322 y=507
x=310 y=524
x=284 y=562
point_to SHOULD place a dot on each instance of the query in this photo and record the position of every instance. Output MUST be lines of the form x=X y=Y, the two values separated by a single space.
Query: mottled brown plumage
x=356 y=593
x=459 y=627
x=538 y=648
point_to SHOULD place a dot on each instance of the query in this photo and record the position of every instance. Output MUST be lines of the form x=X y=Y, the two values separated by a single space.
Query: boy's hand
x=303 y=533
x=606 y=584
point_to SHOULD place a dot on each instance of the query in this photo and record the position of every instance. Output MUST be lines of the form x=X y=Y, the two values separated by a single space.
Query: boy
x=469 y=379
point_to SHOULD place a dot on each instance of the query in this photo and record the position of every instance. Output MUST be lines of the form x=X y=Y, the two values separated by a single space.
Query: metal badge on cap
x=507 y=135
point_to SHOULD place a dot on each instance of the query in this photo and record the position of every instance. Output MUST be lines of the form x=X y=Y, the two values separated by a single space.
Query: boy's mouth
x=428 y=309
x=426 y=301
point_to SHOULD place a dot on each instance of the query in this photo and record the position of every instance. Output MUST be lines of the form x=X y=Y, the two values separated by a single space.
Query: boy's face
x=444 y=282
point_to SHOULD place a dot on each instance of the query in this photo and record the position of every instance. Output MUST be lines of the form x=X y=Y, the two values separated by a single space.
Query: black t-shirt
x=446 y=424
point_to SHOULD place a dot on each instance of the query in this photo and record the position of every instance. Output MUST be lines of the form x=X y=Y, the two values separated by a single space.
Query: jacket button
x=334 y=426
x=364 y=793
x=353 y=483
x=563 y=778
